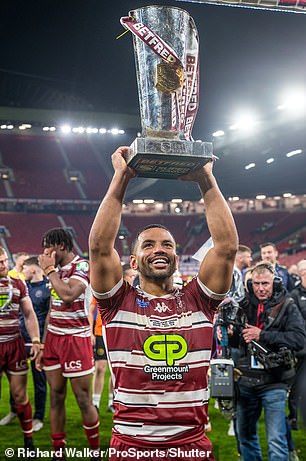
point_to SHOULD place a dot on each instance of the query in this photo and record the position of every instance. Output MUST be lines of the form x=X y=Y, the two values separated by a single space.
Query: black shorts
x=99 y=349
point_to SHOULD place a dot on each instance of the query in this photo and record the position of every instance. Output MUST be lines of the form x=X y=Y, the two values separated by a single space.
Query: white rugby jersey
x=159 y=350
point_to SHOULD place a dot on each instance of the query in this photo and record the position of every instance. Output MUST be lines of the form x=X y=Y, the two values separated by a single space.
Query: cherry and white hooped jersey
x=71 y=319
x=159 y=351
x=12 y=292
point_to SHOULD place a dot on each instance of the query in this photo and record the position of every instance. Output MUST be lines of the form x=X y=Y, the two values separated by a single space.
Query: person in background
x=99 y=353
x=16 y=271
x=39 y=293
x=294 y=275
x=274 y=321
x=67 y=350
x=13 y=357
x=268 y=252
x=299 y=297
x=40 y=296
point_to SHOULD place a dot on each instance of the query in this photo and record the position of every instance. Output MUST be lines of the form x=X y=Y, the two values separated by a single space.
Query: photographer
x=274 y=322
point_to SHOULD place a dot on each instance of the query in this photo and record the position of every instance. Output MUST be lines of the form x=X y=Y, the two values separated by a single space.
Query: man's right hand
x=119 y=162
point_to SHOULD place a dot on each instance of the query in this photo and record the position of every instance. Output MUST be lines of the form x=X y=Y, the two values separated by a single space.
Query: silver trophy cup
x=166 y=49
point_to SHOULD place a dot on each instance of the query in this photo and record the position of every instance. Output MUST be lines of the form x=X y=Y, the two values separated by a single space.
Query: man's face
x=155 y=256
x=3 y=265
x=48 y=250
x=263 y=284
x=130 y=275
x=269 y=253
x=246 y=259
x=20 y=260
x=27 y=271
x=302 y=272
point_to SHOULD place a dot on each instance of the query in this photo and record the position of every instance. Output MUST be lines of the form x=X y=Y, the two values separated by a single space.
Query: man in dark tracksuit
x=275 y=322
x=299 y=297
x=39 y=293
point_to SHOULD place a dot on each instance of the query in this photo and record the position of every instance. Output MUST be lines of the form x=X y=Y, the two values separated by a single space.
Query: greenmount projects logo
x=166 y=348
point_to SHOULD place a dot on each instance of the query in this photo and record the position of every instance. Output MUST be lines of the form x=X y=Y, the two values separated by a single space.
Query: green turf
x=224 y=446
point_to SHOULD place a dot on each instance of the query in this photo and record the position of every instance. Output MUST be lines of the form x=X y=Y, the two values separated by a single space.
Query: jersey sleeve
x=81 y=272
x=108 y=303
x=207 y=300
x=24 y=292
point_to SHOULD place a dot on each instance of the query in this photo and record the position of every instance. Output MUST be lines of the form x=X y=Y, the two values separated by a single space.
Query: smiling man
x=159 y=337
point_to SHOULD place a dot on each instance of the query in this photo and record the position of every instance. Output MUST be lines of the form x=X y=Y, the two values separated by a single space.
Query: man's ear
x=133 y=262
x=176 y=262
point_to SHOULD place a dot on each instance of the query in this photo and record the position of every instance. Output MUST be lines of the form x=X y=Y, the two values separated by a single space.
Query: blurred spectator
x=19 y=259
x=268 y=252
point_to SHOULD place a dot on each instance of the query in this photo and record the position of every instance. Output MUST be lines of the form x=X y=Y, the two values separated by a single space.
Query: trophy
x=166 y=48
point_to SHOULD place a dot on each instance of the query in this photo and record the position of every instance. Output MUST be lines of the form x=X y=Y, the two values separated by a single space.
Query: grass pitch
x=224 y=446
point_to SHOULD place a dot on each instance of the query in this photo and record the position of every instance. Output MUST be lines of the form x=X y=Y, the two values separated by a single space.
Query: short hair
x=263 y=266
x=150 y=226
x=244 y=249
x=33 y=260
x=20 y=253
x=267 y=244
x=2 y=251
x=58 y=236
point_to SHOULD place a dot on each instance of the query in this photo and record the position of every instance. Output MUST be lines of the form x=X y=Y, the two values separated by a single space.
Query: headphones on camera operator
x=277 y=281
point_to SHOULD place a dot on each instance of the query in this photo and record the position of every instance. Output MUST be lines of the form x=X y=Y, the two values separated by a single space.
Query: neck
x=36 y=278
x=156 y=288
x=67 y=258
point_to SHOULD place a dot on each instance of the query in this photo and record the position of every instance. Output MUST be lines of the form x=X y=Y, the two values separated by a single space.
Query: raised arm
x=105 y=266
x=216 y=269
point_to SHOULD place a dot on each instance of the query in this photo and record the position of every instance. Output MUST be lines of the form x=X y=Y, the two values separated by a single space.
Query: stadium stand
x=77 y=169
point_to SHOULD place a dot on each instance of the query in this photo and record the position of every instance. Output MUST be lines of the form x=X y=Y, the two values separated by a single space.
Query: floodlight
x=114 y=131
x=66 y=129
x=294 y=101
x=245 y=122
x=294 y=152
x=218 y=133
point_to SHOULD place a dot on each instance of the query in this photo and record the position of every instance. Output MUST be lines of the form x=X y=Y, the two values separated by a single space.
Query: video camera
x=282 y=359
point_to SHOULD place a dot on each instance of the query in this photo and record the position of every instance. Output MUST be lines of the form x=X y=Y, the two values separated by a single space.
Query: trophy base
x=168 y=159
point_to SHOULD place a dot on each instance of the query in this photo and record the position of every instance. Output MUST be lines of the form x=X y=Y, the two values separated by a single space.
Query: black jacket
x=299 y=297
x=286 y=329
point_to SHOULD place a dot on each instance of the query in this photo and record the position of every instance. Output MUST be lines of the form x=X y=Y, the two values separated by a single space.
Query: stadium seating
x=39 y=168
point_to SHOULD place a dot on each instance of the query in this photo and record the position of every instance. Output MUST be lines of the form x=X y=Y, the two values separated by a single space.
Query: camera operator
x=274 y=322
